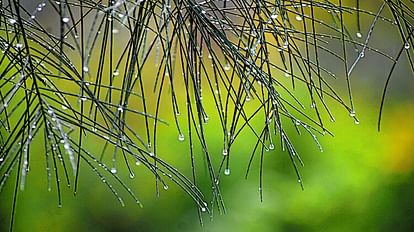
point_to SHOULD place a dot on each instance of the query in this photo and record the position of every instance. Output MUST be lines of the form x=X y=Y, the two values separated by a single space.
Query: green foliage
x=76 y=73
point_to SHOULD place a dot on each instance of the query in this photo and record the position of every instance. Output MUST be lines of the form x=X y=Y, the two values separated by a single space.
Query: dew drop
x=137 y=163
x=85 y=69
x=352 y=113
x=116 y=73
x=131 y=175
x=203 y=209
x=407 y=45
x=273 y=16
x=271 y=146
x=356 y=122
x=12 y=21
x=359 y=35
x=298 y=18
x=226 y=66
x=120 y=109
x=64 y=107
x=165 y=187
x=181 y=137
x=227 y=171
x=113 y=170
x=225 y=152
x=65 y=19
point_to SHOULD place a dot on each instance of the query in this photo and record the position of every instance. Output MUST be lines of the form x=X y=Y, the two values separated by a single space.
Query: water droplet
x=273 y=16
x=271 y=146
x=352 y=113
x=113 y=170
x=12 y=21
x=65 y=19
x=120 y=109
x=298 y=18
x=203 y=209
x=181 y=137
x=83 y=98
x=165 y=187
x=226 y=66
x=85 y=69
x=19 y=45
x=227 y=171
x=225 y=152
x=116 y=73
x=356 y=122
x=407 y=45
x=359 y=35
x=131 y=175
x=64 y=107
x=248 y=98
x=137 y=163
x=287 y=74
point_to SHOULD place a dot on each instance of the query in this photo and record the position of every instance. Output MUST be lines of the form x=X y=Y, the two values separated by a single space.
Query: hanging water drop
x=165 y=187
x=226 y=66
x=12 y=21
x=65 y=19
x=359 y=35
x=407 y=45
x=352 y=113
x=225 y=152
x=298 y=18
x=273 y=16
x=181 y=137
x=227 y=171
x=85 y=69
x=113 y=170
x=131 y=175
x=116 y=73
x=271 y=146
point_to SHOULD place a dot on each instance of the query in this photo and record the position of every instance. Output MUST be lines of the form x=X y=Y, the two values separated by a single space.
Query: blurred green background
x=361 y=182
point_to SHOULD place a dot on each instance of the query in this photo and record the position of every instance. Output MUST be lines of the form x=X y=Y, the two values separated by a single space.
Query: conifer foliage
x=107 y=71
